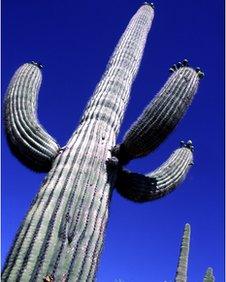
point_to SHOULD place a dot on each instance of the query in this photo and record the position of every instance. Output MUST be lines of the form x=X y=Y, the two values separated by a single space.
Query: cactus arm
x=209 y=277
x=160 y=117
x=143 y=188
x=181 y=274
x=29 y=142
x=66 y=223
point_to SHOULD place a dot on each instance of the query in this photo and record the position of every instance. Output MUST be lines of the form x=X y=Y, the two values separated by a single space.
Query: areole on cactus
x=62 y=235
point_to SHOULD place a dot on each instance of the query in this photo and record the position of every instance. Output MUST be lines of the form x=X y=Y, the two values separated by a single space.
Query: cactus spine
x=181 y=274
x=62 y=235
x=209 y=277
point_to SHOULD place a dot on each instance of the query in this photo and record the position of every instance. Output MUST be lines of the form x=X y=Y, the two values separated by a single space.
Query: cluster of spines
x=185 y=63
x=48 y=278
x=188 y=145
x=37 y=64
x=150 y=4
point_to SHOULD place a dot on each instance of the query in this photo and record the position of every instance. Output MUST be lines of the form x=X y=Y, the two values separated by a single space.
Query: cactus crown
x=38 y=64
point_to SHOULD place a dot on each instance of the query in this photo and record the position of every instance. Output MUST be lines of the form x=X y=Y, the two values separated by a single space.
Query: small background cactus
x=209 y=276
x=79 y=74
x=183 y=261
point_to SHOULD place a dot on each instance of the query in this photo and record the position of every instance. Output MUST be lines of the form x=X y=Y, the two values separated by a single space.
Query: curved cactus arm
x=161 y=116
x=142 y=188
x=209 y=277
x=181 y=274
x=29 y=142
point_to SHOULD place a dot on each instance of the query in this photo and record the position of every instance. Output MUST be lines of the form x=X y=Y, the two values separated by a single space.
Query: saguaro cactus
x=209 y=277
x=182 y=268
x=61 y=237
x=181 y=274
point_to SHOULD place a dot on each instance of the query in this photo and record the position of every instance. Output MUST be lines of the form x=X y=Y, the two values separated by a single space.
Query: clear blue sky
x=73 y=40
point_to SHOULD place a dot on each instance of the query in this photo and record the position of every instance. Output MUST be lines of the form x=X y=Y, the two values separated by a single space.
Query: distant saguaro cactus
x=62 y=235
x=182 y=268
x=209 y=277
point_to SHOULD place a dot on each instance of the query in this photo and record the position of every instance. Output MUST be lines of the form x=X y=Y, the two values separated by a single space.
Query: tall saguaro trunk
x=62 y=235
x=63 y=231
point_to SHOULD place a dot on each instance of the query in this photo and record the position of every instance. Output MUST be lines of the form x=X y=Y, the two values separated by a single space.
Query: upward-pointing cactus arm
x=27 y=139
x=143 y=188
x=160 y=117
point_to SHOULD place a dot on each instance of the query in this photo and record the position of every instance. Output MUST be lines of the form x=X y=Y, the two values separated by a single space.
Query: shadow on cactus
x=62 y=235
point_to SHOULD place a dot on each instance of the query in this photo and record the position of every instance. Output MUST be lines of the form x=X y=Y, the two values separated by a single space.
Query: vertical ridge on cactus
x=62 y=235
x=181 y=274
x=209 y=277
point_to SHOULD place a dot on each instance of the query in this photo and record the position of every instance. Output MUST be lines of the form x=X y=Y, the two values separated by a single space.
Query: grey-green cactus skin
x=181 y=274
x=63 y=233
x=209 y=277
x=161 y=116
x=26 y=137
